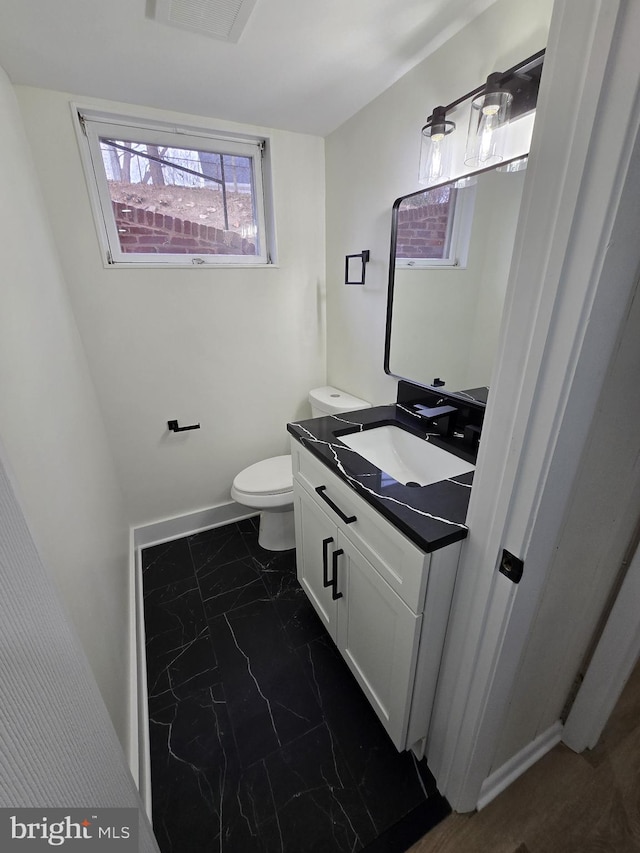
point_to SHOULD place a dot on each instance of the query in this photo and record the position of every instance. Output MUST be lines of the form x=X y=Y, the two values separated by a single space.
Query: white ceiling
x=302 y=65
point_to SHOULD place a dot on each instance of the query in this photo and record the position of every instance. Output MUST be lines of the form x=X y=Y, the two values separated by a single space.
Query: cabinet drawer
x=401 y=563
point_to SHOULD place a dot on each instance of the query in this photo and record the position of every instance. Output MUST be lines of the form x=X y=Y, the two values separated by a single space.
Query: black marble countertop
x=431 y=516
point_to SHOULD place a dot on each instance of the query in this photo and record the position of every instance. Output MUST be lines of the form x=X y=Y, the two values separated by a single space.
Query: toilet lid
x=269 y=477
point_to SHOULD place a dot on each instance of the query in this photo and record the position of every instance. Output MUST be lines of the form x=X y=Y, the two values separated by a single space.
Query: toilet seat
x=270 y=476
x=268 y=483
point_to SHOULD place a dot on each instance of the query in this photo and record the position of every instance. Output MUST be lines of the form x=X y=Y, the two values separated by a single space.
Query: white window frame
x=459 y=236
x=91 y=125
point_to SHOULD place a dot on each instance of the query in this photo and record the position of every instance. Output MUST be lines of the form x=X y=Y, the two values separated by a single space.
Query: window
x=434 y=227
x=166 y=196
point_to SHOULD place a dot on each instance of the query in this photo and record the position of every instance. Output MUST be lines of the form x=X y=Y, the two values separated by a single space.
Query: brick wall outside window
x=142 y=230
x=422 y=230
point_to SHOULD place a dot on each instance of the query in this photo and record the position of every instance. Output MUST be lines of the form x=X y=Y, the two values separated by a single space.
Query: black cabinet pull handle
x=325 y=561
x=334 y=580
x=348 y=519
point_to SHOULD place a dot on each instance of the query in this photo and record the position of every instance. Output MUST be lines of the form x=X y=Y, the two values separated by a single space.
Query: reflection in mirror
x=451 y=252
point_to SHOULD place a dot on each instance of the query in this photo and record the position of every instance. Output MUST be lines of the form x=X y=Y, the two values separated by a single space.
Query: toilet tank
x=332 y=401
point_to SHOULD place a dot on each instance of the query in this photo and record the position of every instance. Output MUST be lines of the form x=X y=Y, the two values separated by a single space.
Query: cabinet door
x=316 y=537
x=378 y=636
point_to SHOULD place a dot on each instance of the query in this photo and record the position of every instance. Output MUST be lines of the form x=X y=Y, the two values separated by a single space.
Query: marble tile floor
x=261 y=740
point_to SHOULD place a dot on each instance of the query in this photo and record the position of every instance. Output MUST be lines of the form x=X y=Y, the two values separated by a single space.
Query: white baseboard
x=142 y=708
x=185 y=525
x=133 y=746
x=518 y=764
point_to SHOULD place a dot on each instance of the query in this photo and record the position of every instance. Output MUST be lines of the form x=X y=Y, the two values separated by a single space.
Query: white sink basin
x=404 y=456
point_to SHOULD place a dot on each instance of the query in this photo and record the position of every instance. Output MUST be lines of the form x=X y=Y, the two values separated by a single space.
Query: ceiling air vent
x=219 y=19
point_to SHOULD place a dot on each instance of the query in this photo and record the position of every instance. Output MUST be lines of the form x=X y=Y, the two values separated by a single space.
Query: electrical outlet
x=511 y=566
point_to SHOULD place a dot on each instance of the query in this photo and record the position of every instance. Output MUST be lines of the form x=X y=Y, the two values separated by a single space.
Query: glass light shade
x=488 y=118
x=435 y=152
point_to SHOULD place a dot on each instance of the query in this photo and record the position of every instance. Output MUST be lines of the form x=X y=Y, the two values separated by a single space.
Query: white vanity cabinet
x=383 y=600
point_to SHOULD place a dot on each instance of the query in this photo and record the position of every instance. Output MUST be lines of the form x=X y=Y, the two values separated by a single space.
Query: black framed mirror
x=451 y=243
x=451 y=248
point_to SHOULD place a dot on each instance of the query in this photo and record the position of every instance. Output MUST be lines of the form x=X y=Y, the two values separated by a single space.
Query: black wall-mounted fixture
x=354 y=267
x=173 y=426
x=503 y=97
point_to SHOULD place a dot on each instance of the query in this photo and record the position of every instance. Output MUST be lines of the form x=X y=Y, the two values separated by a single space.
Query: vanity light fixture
x=504 y=97
x=435 y=148
x=489 y=114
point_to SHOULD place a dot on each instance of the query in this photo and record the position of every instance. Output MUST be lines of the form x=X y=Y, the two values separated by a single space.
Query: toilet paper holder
x=173 y=426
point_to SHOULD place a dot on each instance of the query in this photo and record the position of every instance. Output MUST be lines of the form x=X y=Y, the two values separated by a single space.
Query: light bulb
x=486 y=130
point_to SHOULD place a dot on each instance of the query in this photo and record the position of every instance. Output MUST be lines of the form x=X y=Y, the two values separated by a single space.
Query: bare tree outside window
x=187 y=188
x=164 y=195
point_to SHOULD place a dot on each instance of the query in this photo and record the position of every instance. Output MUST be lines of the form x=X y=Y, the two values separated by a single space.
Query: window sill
x=167 y=266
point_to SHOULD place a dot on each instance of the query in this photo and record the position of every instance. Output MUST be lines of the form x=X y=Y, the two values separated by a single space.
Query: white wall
x=57 y=745
x=373 y=159
x=500 y=227
x=51 y=425
x=222 y=347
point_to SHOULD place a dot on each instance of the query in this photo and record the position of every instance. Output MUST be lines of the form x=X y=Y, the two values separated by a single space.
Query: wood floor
x=566 y=803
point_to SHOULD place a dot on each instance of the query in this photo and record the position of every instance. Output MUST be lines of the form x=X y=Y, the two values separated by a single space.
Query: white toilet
x=268 y=485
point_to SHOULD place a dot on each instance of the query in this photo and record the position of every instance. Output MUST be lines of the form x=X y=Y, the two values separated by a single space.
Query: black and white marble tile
x=317 y=805
x=166 y=563
x=260 y=738
x=229 y=586
x=180 y=656
x=221 y=545
x=299 y=620
x=356 y=729
x=270 y=701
